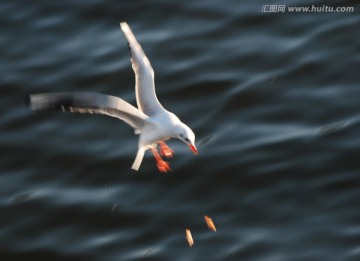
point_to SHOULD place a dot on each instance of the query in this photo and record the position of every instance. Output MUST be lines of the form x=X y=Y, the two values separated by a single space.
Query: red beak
x=193 y=149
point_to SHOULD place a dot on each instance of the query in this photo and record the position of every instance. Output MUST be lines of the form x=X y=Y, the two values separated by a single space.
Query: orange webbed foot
x=165 y=150
x=162 y=165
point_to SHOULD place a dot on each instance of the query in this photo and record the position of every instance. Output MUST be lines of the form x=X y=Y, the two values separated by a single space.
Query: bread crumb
x=210 y=223
x=189 y=237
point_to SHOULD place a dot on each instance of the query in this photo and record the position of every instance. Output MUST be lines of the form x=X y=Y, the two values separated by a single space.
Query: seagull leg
x=165 y=150
x=162 y=165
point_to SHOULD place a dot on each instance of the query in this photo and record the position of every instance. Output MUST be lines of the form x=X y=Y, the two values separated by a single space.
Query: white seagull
x=151 y=121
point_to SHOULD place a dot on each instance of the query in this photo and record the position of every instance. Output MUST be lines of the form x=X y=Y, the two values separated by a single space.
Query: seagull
x=154 y=124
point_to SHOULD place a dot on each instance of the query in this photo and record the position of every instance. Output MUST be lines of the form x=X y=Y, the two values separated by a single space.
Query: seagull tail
x=139 y=157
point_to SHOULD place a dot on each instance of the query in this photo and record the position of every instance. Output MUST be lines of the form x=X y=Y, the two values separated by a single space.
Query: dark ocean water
x=272 y=97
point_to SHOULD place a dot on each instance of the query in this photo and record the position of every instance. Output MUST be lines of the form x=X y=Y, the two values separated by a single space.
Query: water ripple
x=272 y=98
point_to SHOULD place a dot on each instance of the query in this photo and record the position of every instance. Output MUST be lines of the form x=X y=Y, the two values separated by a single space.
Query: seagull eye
x=186 y=139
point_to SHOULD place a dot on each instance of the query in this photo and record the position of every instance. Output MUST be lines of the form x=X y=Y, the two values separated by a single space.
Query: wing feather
x=94 y=103
x=146 y=99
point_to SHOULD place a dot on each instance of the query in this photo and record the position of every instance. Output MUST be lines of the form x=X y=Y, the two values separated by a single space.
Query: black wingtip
x=28 y=102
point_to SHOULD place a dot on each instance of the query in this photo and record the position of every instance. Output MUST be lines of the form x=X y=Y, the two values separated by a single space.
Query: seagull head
x=186 y=135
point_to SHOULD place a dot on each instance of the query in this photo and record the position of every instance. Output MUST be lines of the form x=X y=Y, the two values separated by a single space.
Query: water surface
x=273 y=100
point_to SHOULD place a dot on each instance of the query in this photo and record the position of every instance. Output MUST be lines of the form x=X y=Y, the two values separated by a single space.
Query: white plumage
x=150 y=120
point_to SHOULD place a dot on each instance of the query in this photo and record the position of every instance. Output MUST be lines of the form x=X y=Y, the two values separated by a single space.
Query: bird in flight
x=154 y=124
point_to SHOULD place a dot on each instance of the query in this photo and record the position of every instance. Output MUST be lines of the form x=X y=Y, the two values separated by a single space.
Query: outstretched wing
x=83 y=102
x=146 y=99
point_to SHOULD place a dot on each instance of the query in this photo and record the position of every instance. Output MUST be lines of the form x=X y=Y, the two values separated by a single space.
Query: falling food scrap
x=210 y=223
x=189 y=237
x=113 y=208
